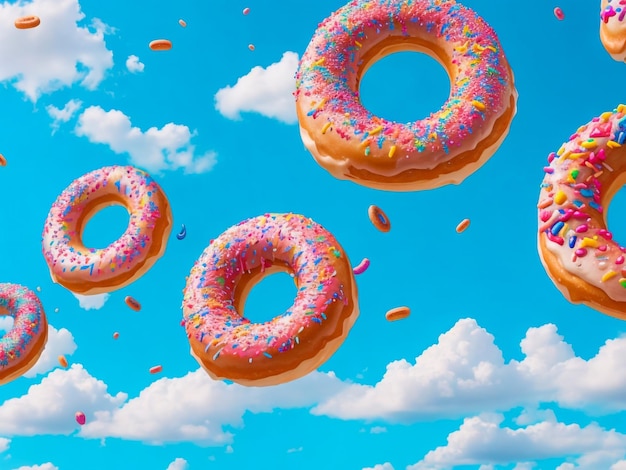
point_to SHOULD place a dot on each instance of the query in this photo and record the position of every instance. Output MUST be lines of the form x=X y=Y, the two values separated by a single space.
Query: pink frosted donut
x=352 y=143
x=93 y=270
x=229 y=346
x=22 y=345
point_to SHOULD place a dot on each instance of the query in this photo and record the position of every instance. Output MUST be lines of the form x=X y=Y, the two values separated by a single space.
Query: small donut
x=22 y=345
x=90 y=271
x=3 y=160
x=183 y=23
x=228 y=345
x=156 y=369
x=398 y=313
x=161 y=45
x=351 y=143
x=378 y=218
x=27 y=22
x=577 y=250
x=463 y=224
x=132 y=303
x=613 y=28
x=558 y=12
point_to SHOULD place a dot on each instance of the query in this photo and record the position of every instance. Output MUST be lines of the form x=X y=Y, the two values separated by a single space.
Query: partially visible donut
x=22 y=345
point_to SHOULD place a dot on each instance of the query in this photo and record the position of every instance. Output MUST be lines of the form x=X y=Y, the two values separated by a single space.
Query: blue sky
x=494 y=369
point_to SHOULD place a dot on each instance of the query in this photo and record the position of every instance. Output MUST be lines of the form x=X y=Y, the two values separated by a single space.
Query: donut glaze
x=578 y=252
x=229 y=346
x=92 y=271
x=22 y=345
x=613 y=28
x=444 y=148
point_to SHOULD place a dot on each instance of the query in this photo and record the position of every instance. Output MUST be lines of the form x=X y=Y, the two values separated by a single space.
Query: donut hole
x=6 y=323
x=272 y=296
x=404 y=87
x=105 y=226
x=615 y=215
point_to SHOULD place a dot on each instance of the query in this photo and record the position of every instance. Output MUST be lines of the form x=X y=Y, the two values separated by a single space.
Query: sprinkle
x=478 y=104
x=392 y=151
x=608 y=275
x=560 y=197
x=325 y=128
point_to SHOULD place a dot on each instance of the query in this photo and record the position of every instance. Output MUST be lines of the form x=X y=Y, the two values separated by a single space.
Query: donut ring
x=444 y=148
x=229 y=346
x=378 y=218
x=92 y=271
x=398 y=313
x=613 y=29
x=27 y=22
x=22 y=345
x=161 y=45
x=575 y=247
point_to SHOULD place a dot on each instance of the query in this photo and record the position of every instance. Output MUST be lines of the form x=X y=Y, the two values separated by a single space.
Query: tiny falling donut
x=575 y=245
x=156 y=369
x=22 y=345
x=558 y=12
x=462 y=226
x=226 y=344
x=27 y=22
x=132 y=303
x=398 y=313
x=183 y=23
x=160 y=45
x=353 y=144
x=378 y=218
x=3 y=160
x=90 y=271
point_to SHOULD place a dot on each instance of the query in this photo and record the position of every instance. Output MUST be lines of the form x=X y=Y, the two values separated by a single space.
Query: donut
x=161 y=45
x=576 y=249
x=27 y=22
x=613 y=28
x=378 y=218
x=132 y=303
x=22 y=345
x=226 y=344
x=353 y=144
x=90 y=271
x=398 y=313
x=462 y=226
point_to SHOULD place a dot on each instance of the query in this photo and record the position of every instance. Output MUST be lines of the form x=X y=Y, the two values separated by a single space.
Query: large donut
x=22 y=345
x=229 y=346
x=351 y=143
x=613 y=28
x=92 y=271
x=575 y=246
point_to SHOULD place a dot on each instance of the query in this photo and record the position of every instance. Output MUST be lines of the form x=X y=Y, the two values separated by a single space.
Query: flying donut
x=27 y=22
x=90 y=271
x=613 y=28
x=353 y=144
x=22 y=345
x=575 y=246
x=226 y=344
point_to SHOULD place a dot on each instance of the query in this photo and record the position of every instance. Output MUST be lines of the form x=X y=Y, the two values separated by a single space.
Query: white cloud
x=154 y=150
x=524 y=466
x=49 y=407
x=64 y=114
x=4 y=444
x=229 y=449
x=378 y=430
x=57 y=53
x=295 y=449
x=194 y=408
x=267 y=91
x=60 y=342
x=91 y=302
x=465 y=373
x=178 y=464
x=380 y=466
x=43 y=466
x=133 y=64
x=481 y=440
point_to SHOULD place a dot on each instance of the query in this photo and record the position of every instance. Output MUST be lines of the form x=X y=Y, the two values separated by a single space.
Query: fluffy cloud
x=60 y=342
x=133 y=64
x=465 y=374
x=267 y=91
x=482 y=440
x=91 y=302
x=57 y=53
x=178 y=464
x=49 y=407
x=4 y=444
x=154 y=150
x=380 y=466
x=63 y=114
x=43 y=466
x=195 y=408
